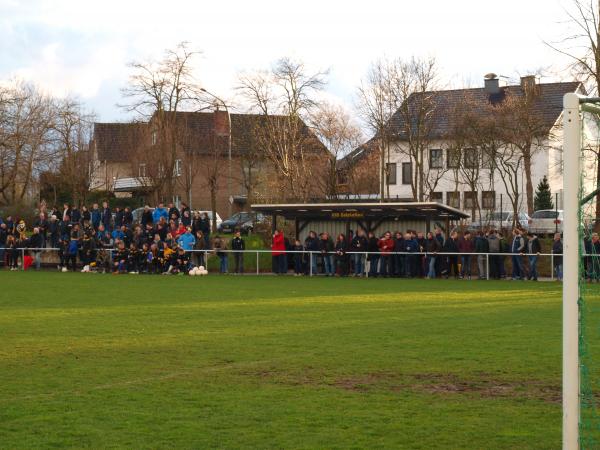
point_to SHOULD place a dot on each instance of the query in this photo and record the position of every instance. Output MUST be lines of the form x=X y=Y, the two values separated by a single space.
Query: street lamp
x=228 y=146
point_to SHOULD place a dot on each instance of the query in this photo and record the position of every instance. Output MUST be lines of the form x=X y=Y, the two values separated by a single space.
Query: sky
x=81 y=48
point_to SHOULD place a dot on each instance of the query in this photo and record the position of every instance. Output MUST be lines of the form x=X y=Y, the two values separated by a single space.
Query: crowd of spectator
x=415 y=254
x=108 y=240
x=172 y=240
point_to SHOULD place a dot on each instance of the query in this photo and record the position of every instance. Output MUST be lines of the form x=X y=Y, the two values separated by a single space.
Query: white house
x=462 y=177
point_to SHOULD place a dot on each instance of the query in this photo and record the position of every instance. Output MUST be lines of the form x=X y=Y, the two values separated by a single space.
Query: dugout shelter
x=336 y=218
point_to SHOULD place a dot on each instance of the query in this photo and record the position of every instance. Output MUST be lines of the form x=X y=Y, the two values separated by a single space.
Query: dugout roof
x=360 y=211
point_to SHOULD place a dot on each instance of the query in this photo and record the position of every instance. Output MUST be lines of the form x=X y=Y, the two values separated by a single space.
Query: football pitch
x=101 y=361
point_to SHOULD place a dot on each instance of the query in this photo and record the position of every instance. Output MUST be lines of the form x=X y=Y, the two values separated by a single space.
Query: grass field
x=100 y=361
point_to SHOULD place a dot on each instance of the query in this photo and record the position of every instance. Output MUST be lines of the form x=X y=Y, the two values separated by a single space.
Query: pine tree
x=543 y=196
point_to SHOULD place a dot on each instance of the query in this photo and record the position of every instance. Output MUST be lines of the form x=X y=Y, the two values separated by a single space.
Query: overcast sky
x=82 y=47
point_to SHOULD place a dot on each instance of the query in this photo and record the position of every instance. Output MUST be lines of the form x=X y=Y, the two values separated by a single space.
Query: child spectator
x=298 y=249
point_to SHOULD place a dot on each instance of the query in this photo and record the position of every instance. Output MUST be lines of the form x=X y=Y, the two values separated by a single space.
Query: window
x=391 y=173
x=436 y=158
x=161 y=170
x=153 y=137
x=407 y=173
x=453 y=158
x=342 y=176
x=470 y=158
x=470 y=200
x=437 y=197
x=177 y=168
x=142 y=170
x=453 y=199
x=488 y=199
x=487 y=160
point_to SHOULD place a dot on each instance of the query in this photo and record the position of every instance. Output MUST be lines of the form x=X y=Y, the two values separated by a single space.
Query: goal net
x=581 y=271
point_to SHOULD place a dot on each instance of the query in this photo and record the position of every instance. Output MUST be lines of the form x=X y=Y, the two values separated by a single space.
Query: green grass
x=100 y=361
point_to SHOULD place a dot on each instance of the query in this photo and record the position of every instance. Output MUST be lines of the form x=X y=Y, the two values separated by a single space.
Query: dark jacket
x=451 y=246
x=534 y=246
x=557 y=247
x=146 y=218
x=432 y=245
x=358 y=244
x=481 y=245
x=237 y=243
x=311 y=244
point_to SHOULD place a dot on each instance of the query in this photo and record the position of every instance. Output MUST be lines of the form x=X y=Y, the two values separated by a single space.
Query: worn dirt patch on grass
x=482 y=385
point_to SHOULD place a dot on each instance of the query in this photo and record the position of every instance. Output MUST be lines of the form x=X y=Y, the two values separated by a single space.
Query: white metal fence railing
x=310 y=257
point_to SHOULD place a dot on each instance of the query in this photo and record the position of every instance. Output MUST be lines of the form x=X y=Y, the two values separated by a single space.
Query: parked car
x=244 y=221
x=546 y=221
x=501 y=220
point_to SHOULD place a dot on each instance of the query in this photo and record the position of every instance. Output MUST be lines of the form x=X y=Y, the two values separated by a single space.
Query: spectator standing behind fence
x=297 y=257
x=12 y=252
x=482 y=246
x=219 y=245
x=534 y=248
x=200 y=245
x=42 y=225
x=358 y=245
x=311 y=244
x=451 y=246
x=278 y=252
x=3 y=238
x=96 y=216
x=204 y=226
x=35 y=242
x=386 y=247
x=466 y=246
x=106 y=216
x=592 y=248
x=411 y=260
x=432 y=247
x=373 y=258
x=238 y=244
x=326 y=248
x=557 y=249
x=518 y=246
x=341 y=258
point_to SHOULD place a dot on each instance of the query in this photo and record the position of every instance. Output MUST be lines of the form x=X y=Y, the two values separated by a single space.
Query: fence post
x=257 y=258
x=487 y=266
x=22 y=259
x=552 y=265
x=310 y=268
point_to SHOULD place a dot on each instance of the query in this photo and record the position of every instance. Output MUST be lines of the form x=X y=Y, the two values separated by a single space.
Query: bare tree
x=376 y=103
x=158 y=91
x=336 y=130
x=25 y=125
x=72 y=132
x=583 y=49
x=397 y=103
x=285 y=96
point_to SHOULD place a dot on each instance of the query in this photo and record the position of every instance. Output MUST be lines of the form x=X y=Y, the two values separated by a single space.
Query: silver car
x=546 y=221
x=502 y=220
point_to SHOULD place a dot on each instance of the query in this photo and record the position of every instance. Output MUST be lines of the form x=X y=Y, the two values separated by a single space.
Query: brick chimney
x=221 y=123
x=491 y=84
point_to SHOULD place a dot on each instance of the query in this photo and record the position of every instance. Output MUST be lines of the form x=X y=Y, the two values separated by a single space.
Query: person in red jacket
x=278 y=252
x=386 y=247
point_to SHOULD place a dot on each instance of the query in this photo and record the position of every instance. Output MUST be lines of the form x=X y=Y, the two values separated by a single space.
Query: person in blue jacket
x=411 y=246
x=187 y=240
x=160 y=211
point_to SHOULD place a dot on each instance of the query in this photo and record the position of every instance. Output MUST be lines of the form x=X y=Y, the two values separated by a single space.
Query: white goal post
x=570 y=348
x=574 y=105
